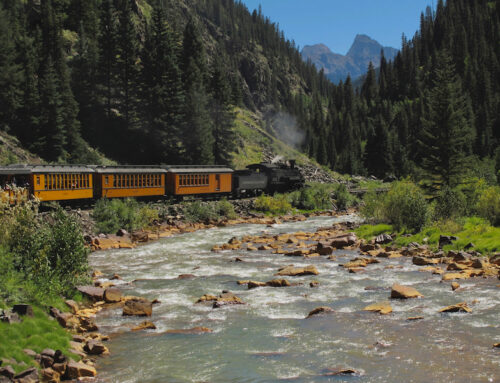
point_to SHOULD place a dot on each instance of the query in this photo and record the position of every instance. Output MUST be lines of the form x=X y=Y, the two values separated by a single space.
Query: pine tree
x=127 y=54
x=198 y=130
x=10 y=74
x=378 y=151
x=222 y=113
x=446 y=134
x=162 y=90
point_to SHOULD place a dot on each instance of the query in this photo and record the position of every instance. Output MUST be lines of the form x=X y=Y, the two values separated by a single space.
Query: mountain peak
x=337 y=67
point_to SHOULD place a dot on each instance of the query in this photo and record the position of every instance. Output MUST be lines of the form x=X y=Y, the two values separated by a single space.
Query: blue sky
x=335 y=23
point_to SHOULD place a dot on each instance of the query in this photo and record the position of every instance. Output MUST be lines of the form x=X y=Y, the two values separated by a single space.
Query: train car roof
x=23 y=169
x=187 y=169
x=128 y=169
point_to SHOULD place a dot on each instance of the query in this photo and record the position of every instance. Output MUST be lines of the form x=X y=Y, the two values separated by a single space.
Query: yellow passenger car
x=61 y=182
x=129 y=181
x=50 y=182
x=198 y=180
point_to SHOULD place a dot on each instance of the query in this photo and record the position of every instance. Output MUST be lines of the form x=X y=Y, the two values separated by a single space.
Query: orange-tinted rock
x=138 y=307
x=404 y=292
x=146 y=325
x=75 y=370
x=382 y=308
x=292 y=271
x=459 y=307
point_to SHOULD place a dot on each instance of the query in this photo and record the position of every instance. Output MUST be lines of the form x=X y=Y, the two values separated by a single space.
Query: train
x=75 y=183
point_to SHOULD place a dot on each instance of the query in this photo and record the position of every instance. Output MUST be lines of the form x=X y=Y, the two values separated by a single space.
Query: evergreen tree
x=127 y=54
x=162 y=90
x=10 y=74
x=222 y=113
x=446 y=134
x=198 y=133
x=378 y=151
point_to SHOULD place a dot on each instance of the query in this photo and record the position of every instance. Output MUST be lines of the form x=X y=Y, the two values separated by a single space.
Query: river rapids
x=269 y=340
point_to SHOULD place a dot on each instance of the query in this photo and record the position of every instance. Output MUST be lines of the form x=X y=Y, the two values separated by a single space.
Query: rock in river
x=146 y=325
x=320 y=310
x=404 y=292
x=458 y=308
x=138 y=306
x=292 y=271
x=382 y=307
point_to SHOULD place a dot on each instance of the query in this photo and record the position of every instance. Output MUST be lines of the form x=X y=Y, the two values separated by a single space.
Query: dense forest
x=157 y=81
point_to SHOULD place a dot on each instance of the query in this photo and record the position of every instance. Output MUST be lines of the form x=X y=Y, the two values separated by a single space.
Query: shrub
x=111 y=215
x=47 y=254
x=224 y=208
x=343 y=198
x=200 y=211
x=315 y=197
x=405 y=206
x=276 y=205
x=450 y=203
x=488 y=205
x=373 y=207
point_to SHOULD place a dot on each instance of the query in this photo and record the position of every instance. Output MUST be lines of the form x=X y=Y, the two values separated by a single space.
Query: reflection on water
x=268 y=339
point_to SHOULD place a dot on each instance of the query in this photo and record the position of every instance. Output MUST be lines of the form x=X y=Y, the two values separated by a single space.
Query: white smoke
x=286 y=129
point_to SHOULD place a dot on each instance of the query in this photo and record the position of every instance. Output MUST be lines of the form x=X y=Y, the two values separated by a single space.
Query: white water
x=268 y=339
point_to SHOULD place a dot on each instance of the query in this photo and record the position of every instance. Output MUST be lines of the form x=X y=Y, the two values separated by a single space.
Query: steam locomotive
x=87 y=182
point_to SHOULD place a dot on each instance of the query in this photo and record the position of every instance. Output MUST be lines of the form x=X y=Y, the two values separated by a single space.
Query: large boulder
x=138 y=307
x=92 y=292
x=292 y=271
x=49 y=375
x=7 y=371
x=112 y=295
x=404 y=292
x=27 y=376
x=75 y=370
x=66 y=320
x=324 y=248
x=495 y=259
x=344 y=240
x=94 y=347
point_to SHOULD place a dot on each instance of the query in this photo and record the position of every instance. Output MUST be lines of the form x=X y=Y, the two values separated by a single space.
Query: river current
x=269 y=340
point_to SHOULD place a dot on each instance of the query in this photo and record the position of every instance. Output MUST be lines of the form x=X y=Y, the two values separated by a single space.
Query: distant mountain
x=337 y=66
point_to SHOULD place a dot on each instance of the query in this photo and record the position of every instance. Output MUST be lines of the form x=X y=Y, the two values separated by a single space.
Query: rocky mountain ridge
x=355 y=63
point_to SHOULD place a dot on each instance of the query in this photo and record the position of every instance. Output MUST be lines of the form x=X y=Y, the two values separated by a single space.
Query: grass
x=35 y=333
x=486 y=238
x=370 y=231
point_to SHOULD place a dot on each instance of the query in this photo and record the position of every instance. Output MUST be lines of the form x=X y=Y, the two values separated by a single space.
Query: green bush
x=129 y=214
x=343 y=198
x=200 y=211
x=372 y=207
x=225 y=209
x=405 y=206
x=450 y=203
x=488 y=205
x=275 y=205
x=315 y=197
x=41 y=256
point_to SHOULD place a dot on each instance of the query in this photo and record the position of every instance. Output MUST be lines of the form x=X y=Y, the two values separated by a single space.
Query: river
x=268 y=339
